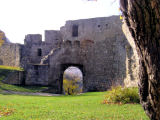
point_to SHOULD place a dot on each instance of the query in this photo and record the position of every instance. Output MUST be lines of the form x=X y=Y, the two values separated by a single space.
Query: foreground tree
x=142 y=18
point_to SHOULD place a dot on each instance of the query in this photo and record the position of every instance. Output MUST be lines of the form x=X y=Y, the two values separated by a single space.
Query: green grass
x=87 y=106
x=33 y=89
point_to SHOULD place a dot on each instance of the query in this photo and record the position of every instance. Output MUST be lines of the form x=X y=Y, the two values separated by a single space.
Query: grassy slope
x=3 y=86
x=83 y=107
x=3 y=67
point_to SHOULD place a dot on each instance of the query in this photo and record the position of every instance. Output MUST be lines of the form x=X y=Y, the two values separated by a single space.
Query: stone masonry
x=97 y=46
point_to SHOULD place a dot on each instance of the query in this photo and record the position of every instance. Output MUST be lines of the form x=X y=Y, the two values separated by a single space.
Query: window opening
x=39 y=52
x=75 y=30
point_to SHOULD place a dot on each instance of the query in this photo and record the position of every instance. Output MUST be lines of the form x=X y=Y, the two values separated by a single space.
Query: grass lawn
x=31 y=89
x=87 y=106
x=82 y=107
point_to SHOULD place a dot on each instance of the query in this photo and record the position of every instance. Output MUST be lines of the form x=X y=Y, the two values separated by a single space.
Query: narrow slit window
x=75 y=30
x=39 y=52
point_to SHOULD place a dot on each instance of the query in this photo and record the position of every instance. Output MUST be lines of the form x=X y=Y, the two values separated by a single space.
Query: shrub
x=72 y=83
x=70 y=87
x=119 y=95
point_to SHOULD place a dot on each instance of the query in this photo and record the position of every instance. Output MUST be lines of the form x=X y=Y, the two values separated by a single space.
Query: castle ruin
x=97 y=46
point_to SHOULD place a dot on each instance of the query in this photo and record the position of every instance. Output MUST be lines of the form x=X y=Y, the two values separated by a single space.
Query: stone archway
x=72 y=81
x=64 y=67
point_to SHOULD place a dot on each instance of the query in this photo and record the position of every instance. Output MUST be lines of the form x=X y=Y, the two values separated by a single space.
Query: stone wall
x=37 y=75
x=10 y=54
x=53 y=37
x=15 y=78
x=132 y=60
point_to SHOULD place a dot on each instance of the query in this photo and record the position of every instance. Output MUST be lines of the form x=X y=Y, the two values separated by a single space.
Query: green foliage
x=122 y=95
x=1 y=38
x=71 y=84
x=70 y=87
x=7 y=87
x=86 y=106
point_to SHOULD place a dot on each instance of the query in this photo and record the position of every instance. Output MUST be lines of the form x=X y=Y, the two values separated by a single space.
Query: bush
x=119 y=95
x=70 y=87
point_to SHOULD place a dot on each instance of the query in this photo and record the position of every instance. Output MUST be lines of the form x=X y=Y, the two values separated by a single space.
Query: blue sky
x=21 y=17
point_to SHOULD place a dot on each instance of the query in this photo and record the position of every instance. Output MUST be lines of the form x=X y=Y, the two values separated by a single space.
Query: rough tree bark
x=143 y=21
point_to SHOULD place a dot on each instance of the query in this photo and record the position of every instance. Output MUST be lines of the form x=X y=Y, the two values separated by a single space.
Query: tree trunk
x=142 y=18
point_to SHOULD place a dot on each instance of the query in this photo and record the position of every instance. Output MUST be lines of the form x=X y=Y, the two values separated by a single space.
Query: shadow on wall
x=1 y=62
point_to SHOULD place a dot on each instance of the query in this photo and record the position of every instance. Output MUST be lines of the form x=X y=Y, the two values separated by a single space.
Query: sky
x=22 y=17
x=73 y=72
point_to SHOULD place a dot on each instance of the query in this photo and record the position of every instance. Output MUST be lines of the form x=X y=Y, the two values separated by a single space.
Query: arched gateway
x=72 y=80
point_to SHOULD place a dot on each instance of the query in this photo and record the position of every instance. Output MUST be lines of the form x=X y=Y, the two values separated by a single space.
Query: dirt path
x=28 y=93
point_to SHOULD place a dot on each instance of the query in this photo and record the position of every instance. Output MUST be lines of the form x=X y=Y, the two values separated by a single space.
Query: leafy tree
x=142 y=18
x=1 y=38
x=71 y=84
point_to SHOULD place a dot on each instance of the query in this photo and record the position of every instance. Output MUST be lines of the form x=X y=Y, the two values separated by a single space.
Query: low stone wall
x=36 y=75
x=15 y=78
